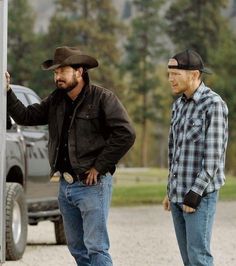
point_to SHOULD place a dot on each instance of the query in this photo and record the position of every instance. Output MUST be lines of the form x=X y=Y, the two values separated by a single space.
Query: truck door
x=38 y=169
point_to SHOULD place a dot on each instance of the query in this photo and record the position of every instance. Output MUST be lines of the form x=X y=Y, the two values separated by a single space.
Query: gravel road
x=140 y=236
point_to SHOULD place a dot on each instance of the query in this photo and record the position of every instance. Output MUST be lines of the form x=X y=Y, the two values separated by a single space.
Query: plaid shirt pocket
x=194 y=129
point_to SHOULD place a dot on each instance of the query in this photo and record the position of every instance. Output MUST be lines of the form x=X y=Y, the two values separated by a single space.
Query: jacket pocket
x=89 y=138
x=194 y=129
x=87 y=123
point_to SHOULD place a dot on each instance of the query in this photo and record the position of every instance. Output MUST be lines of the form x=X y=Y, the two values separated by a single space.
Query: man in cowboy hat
x=89 y=132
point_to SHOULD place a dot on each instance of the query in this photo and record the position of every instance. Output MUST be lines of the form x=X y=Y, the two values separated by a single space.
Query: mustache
x=60 y=80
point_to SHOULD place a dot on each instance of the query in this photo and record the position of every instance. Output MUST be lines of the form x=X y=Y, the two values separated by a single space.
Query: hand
x=188 y=209
x=8 y=78
x=166 y=203
x=92 y=177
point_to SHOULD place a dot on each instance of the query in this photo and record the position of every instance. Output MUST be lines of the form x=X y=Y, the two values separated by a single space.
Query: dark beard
x=71 y=86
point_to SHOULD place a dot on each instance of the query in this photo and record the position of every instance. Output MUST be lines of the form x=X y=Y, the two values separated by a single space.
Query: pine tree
x=144 y=49
x=21 y=41
x=195 y=24
x=223 y=60
x=94 y=27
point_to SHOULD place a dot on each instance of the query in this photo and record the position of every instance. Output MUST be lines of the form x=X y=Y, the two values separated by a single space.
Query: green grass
x=228 y=191
x=148 y=186
x=138 y=194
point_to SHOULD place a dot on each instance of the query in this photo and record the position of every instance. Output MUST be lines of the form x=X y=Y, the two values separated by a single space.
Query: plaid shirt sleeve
x=170 y=142
x=216 y=137
x=170 y=150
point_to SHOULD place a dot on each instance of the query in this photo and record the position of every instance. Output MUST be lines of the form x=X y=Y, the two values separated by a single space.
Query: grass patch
x=228 y=191
x=145 y=186
x=126 y=176
x=138 y=194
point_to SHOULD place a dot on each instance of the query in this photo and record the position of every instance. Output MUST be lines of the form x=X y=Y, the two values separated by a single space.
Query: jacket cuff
x=192 y=199
x=100 y=168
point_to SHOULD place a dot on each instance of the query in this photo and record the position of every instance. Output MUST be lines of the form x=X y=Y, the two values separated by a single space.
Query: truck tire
x=59 y=232
x=16 y=221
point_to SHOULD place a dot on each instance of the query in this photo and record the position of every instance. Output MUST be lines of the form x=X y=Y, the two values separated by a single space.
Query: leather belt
x=73 y=178
x=68 y=177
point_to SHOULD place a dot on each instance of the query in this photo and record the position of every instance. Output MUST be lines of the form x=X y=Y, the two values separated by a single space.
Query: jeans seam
x=101 y=197
x=205 y=233
x=103 y=191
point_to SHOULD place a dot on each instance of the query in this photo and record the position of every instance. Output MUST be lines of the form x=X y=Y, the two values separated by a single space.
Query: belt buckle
x=68 y=177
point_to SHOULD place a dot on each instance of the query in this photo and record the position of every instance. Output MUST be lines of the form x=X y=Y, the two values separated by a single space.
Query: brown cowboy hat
x=66 y=56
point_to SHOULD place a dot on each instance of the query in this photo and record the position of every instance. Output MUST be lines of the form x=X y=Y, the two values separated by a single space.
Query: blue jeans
x=85 y=210
x=193 y=231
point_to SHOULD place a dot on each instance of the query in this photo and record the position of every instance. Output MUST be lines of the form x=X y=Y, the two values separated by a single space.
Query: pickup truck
x=30 y=196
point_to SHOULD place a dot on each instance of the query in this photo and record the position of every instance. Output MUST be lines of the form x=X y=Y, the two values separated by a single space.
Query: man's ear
x=198 y=74
x=80 y=70
x=195 y=74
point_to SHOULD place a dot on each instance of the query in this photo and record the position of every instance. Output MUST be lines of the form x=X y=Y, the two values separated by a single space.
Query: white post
x=3 y=67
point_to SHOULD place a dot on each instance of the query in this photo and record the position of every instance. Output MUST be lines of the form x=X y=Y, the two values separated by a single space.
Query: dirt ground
x=140 y=236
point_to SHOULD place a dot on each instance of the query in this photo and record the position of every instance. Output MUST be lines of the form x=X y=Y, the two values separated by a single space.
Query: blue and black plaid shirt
x=197 y=144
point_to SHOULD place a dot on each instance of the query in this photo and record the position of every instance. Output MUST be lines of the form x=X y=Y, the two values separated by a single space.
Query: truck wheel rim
x=16 y=222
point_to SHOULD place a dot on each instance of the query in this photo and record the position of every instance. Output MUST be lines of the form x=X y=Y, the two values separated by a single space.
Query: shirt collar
x=79 y=96
x=197 y=94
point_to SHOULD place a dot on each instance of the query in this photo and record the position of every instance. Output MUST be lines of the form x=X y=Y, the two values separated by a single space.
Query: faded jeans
x=85 y=211
x=193 y=231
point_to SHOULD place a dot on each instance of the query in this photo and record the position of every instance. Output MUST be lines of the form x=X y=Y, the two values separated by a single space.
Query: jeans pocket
x=107 y=178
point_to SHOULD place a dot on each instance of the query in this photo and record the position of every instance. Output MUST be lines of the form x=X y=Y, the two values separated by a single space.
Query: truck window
x=22 y=98
x=33 y=98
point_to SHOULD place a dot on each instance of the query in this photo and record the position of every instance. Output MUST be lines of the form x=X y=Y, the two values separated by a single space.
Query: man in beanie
x=89 y=132
x=197 y=146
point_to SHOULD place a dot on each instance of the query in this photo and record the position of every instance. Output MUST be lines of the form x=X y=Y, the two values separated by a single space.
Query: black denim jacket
x=100 y=132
